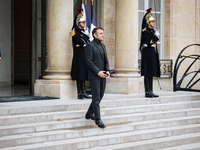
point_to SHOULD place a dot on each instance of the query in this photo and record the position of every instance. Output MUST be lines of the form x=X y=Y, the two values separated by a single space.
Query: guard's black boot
x=149 y=95
x=80 y=96
x=154 y=95
x=84 y=91
x=151 y=87
x=147 y=87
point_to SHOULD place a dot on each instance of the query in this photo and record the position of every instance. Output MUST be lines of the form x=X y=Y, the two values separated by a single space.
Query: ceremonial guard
x=150 y=66
x=79 y=70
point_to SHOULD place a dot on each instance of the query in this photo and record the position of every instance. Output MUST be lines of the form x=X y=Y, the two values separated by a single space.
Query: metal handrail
x=177 y=85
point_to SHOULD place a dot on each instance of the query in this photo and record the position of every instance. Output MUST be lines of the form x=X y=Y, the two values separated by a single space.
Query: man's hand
x=102 y=74
x=108 y=74
x=0 y=58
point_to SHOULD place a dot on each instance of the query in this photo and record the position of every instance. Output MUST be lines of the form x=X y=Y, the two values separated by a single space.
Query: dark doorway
x=21 y=33
x=22 y=41
x=27 y=31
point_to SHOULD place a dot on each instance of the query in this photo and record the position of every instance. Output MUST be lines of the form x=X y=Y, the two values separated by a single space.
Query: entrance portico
x=123 y=55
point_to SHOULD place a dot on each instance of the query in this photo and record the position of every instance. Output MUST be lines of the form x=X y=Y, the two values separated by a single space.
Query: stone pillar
x=126 y=57
x=57 y=82
x=108 y=23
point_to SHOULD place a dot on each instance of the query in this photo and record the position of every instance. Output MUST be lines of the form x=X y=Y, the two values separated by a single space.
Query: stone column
x=57 y=82
x=108 y=23
x=126 y=64
x=126 y=74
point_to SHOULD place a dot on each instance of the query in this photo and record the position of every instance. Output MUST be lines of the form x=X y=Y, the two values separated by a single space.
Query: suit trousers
x=97 y=88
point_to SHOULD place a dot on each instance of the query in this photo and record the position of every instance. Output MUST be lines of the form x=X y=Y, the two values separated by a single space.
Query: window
x=158 y=13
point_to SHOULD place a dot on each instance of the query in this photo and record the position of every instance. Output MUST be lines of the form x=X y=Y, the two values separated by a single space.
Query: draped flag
x=83 y=7
x=87 y=30
x=84 y=15
x=93 y=22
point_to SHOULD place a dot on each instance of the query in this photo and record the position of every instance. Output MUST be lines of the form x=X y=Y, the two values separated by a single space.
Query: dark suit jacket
x=96 y=59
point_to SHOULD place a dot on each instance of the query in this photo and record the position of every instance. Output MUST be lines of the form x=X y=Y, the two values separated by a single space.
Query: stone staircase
x=170 y=122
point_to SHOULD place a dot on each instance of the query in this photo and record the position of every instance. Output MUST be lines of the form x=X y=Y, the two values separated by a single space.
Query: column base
x=125 y=85
x=125 y=73
x=55 y=88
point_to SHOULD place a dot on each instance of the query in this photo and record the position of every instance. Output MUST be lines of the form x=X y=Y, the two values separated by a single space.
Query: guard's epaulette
x=72 y=33
x=144 y=29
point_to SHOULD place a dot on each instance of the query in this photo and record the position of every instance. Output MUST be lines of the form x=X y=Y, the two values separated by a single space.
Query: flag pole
x=155 y=14
x=92 y=2
x=85 y=2
x=82 y=1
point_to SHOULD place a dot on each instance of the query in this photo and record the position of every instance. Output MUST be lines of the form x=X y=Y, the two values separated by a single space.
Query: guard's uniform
x=79 y=68
x=79 y=71
x=150 y=57
x=150 y=66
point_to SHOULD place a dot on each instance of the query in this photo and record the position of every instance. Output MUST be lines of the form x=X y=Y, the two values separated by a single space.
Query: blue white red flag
x=93 y=23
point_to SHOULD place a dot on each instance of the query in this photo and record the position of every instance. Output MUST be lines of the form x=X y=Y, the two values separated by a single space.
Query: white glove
x=157 y=33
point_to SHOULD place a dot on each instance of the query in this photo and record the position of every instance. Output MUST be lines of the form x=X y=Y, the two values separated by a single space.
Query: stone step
x=193 y=146
x=184 y=114
x=153 y=144
x=23 y=139
x=53 y=116
x=146 y=139
x=32 y=107
x=30 y=138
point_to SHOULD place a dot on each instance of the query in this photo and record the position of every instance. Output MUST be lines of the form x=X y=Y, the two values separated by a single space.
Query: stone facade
x=181 y=29
x=5 y=43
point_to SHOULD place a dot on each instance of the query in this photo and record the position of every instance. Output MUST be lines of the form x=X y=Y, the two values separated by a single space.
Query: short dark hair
x=95 y=30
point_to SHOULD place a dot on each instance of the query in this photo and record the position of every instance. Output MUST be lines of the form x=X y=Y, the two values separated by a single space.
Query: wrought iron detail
x=180 y=59
x=165 y=68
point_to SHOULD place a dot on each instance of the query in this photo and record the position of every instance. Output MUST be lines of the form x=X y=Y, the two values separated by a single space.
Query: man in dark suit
x=98 y=71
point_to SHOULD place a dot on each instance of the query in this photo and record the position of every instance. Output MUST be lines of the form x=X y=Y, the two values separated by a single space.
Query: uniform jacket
x=79 y=67
x=96 y=58
x=150 y=57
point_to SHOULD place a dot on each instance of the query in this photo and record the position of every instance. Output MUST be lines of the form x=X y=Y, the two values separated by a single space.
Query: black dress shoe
x=86 y=96
x=99 y=123
x=89 y=117
x=149 y=95
x=154 y=95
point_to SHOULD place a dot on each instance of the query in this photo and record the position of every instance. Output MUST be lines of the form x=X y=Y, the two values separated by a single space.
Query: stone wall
x=5 y=42
x=182 y=28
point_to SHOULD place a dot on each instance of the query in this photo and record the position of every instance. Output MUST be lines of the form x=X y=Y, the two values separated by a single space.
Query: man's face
x=99 y=35
x=152 y=24
x=82 y=25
